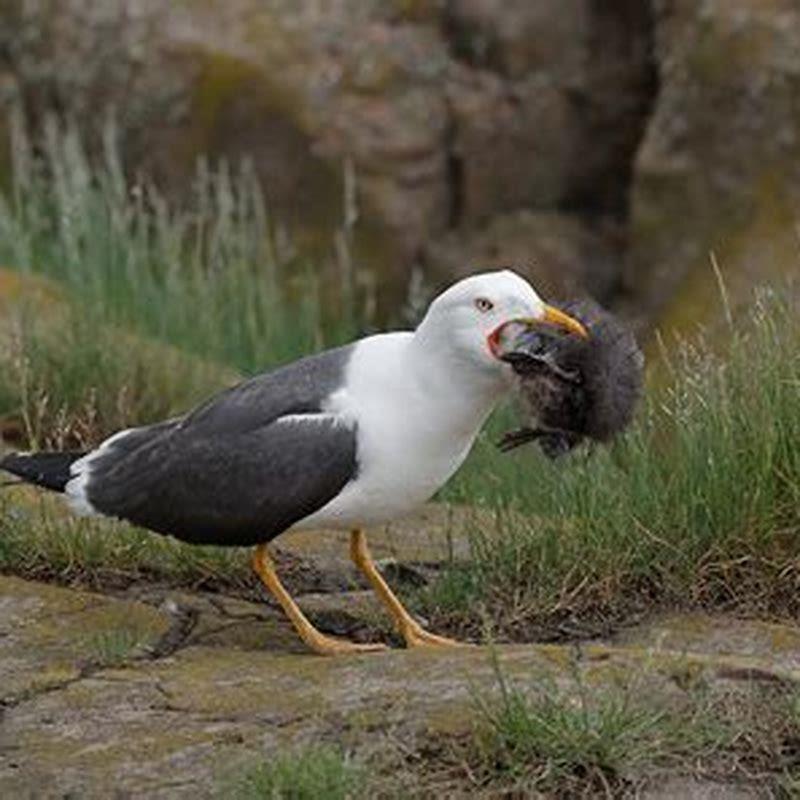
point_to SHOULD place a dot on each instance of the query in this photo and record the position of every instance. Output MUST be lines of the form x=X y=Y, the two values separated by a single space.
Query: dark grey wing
x=574 y=388
x=297 y=388
x=241 y=468
x=232 y=489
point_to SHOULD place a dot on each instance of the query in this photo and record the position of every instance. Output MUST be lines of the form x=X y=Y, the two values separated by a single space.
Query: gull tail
x=49 y=470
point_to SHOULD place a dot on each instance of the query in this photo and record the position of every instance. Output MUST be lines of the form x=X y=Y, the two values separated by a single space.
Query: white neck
x=467 y=390
x=419 y=408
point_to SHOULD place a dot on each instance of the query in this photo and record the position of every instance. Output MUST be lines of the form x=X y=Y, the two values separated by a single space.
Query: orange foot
x=416 y=636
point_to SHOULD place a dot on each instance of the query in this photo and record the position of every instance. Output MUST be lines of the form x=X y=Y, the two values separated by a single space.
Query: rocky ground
x=160 y=692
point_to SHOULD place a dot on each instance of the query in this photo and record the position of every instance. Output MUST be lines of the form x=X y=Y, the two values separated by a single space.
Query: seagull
x=348 y=438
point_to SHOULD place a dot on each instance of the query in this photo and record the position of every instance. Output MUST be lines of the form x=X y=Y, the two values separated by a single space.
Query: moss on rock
x=170 y=725
x=719 y=167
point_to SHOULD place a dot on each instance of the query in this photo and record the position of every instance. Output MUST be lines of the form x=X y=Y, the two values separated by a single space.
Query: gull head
x=471 y=321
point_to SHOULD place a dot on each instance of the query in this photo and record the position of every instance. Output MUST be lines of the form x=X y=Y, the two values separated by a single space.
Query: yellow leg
x=413 y=633
x=319 y=642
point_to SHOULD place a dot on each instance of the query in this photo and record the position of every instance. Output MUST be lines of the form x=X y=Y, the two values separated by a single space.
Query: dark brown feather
x=573 y=389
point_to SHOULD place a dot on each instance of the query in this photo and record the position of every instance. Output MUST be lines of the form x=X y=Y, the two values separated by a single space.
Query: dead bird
x=574 y=389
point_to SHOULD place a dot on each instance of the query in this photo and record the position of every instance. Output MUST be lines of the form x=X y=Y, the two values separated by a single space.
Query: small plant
x=580 y=738
x=318 y=773
x=113 y=648
x=766 y=722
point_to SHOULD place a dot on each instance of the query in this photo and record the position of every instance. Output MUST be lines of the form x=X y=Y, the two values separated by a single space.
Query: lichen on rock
x=719 y=168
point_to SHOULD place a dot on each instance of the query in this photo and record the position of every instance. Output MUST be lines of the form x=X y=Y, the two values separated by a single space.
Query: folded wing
x=240 y=469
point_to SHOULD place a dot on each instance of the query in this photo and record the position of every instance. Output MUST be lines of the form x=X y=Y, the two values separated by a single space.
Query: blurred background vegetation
x=600 y=147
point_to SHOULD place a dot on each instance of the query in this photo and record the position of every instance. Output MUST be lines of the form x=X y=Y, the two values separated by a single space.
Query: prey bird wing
x=574 y=389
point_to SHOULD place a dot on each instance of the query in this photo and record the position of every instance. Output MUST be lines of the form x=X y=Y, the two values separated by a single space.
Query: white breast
x=414 y=431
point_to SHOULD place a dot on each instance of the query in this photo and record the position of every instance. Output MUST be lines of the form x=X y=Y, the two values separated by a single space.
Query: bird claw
x=419 y=637
x=331 y=646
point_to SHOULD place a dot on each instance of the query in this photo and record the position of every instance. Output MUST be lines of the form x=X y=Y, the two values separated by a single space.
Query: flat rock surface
x=111 y=697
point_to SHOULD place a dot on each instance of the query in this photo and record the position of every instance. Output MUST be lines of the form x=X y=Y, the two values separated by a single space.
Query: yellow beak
x=504 y=338
x=564 y=321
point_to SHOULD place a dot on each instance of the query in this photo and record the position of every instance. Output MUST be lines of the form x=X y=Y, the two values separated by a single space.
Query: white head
x=463 y=323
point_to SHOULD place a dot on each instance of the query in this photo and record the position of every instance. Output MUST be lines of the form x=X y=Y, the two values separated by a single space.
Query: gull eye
x=483 y=305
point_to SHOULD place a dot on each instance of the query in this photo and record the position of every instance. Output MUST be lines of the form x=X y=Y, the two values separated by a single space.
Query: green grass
x=210 y=279
x=583 y=732
x=114 y=648
x=316 y=773
x=578 y=739
x=73 y=384
x=41 y=540
x=697 y=505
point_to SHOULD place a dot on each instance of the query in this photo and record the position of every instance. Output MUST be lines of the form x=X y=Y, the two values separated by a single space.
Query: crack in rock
x=219 y=606
x=34 y=692
x=183 y=622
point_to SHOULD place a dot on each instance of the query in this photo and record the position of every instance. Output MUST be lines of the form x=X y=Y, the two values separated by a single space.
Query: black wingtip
x=48 y=470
